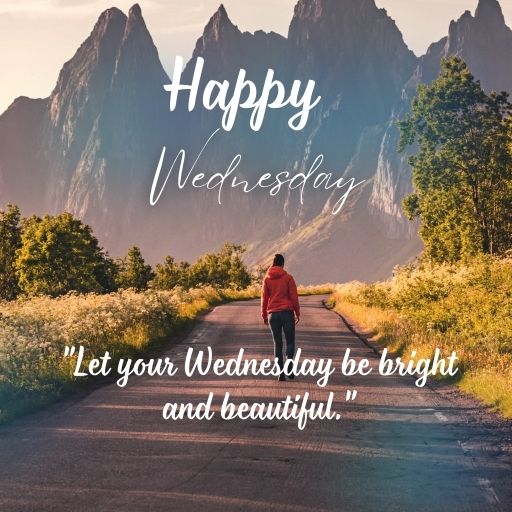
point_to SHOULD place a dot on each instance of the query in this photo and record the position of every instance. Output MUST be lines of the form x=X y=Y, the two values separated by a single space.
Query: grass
x=34 y=332
x=465 y=307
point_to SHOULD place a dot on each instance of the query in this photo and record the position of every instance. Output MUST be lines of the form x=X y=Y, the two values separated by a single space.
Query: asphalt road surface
x=395 y=447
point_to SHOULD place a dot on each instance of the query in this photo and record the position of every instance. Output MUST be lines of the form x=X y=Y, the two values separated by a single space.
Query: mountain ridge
x=98 y=136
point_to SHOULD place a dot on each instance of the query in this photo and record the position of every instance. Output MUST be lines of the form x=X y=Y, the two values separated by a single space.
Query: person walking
x=281 y=310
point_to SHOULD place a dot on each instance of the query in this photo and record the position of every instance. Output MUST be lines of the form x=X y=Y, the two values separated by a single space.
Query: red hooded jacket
x=279 y=293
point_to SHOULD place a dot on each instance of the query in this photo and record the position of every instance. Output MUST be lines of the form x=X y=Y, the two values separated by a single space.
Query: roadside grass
x=321 y=289
x=466 y=308
x=34 y=332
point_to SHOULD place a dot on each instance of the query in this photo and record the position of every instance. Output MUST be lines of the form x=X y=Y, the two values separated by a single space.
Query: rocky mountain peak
x=221 y=13
x=350 y=26
x=138 y=67
x=349 y=13
x=318 y=8
x=219 y=26
x=102 y=44
x=135 y=20
x=137 y=36
x=226 y=48
x=108 y=18
x=490 y=11
x=346 y=42
x=475 y=38
x=219 y=36
x=135 y=12
x=84 y=81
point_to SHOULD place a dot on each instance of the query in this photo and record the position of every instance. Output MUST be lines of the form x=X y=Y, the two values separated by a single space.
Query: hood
x=276 y=272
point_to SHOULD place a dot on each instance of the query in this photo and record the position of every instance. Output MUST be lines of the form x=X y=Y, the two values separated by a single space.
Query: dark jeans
x=283 y=321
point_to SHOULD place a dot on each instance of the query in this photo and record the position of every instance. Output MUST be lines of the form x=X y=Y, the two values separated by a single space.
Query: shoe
x=281 y=378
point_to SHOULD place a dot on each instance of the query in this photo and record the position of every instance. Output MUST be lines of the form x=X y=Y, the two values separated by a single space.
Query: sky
x=38 y=36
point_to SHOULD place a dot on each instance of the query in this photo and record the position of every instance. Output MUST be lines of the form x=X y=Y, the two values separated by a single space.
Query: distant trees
x=462 y=170
x=58 y=254
x=224 y=269
x=132 y=271
x=169 y=274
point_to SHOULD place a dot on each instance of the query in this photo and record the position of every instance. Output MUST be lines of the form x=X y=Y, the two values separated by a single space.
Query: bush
x=33 y=334
x=59 y=254
x=464 y=307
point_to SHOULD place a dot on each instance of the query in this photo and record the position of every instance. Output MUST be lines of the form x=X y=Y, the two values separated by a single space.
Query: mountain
x=357 y=56
x=21 y=173
x=484 y=41
x=89 y=141
x=359 y=61
x=226 y=50
x=92 y=147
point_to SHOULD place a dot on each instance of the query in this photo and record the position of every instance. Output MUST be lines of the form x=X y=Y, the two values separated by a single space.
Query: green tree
x=168 y=275
x=185 y=279
x=235 y=269
x=133 y=271
x=224 y=269
x=462 y=170
x=59 y=254
x=10 y=242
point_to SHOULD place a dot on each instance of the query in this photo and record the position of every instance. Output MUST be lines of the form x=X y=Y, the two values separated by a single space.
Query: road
x=395 y=448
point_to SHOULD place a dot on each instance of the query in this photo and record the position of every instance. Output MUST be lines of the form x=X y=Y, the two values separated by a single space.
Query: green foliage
x=375 y=295
x=59 y=254
x=465 y=307
x=34 y=332
x=462 y=172
x=470 y=303
x=133 y=271
x=168 y=275
x=55 y=255
x=473 y=301
x=10 y=242
x=224 y=269
x=411 y=206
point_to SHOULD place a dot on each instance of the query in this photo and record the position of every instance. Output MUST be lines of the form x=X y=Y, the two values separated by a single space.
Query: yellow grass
x=466 y=308
x=33 y=334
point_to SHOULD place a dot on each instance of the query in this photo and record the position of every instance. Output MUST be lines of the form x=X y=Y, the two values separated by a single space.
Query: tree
x=10 y=242
x=234 y=268
x=185 y=279
x=462 y=171
x=133 y=271
x=224 y=269
x=168 y=275
x=59 y=254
